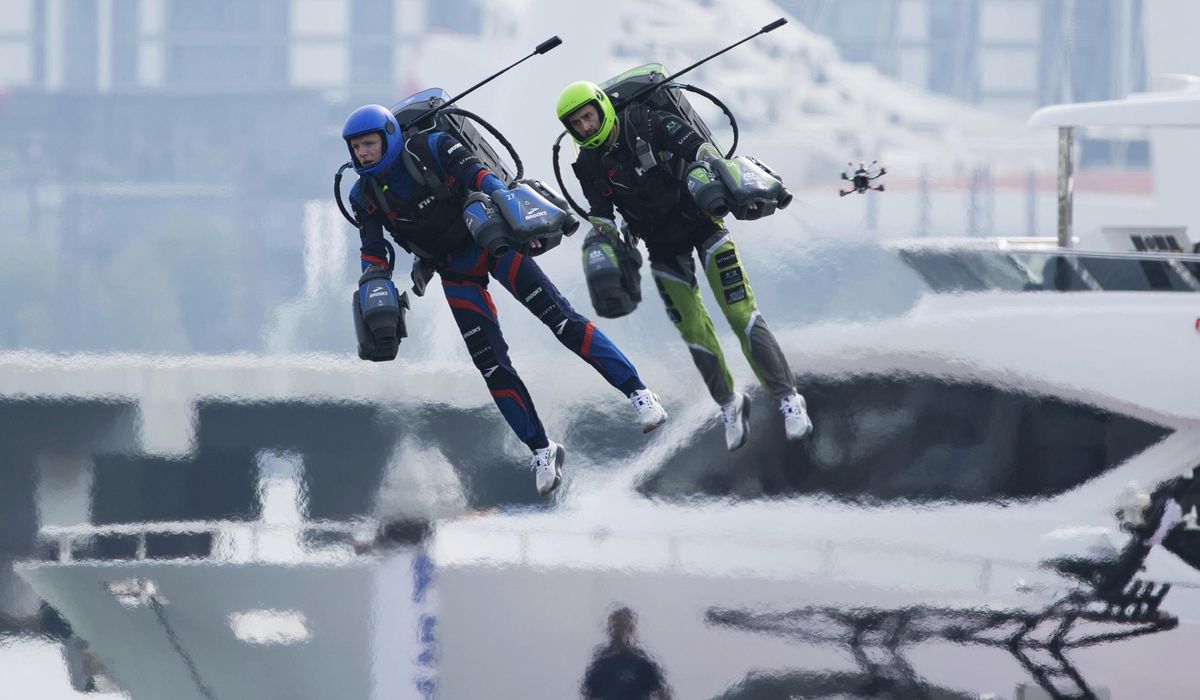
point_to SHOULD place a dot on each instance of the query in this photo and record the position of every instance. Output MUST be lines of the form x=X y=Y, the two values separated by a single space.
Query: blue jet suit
x=424 y=226
x=428 y=226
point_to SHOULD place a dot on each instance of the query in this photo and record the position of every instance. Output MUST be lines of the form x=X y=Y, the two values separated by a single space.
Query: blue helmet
x=377 y=118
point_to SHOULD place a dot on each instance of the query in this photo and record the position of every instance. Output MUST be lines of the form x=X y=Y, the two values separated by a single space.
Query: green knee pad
x=728 y=281
x=727 y=278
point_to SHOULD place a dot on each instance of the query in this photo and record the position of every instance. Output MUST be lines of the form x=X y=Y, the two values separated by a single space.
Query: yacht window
x=883 y=439
x=1127 y=275
x=1124 y=275
x=949 y=271
x=967 y=270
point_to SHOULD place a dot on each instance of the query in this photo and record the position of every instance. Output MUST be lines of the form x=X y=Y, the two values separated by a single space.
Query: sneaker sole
x=652 y=428
x=805 y=434
x=649 y=428
x=745 y=422
x=560 y=456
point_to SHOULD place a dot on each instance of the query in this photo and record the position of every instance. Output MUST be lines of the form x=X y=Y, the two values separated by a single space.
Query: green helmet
x=580 y=94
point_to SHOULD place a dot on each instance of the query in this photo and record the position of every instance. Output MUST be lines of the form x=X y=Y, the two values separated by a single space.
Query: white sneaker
x=651 y=413
x=547 y=467
x=736 y=415
x=795 y=417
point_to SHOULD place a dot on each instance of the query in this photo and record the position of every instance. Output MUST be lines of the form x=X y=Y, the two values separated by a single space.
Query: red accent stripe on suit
x=512 y=271
x=509 y=393
x=464 y=304
x=480 y=268
x=587 y=341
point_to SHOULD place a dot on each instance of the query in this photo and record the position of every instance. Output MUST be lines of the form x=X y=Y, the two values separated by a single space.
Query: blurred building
x=186 y=136
x=106 y=45
x=1011 y=56
x=265 y=66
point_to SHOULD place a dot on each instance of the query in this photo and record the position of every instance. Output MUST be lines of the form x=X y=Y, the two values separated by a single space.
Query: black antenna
x=768 y=28
x=541 y=48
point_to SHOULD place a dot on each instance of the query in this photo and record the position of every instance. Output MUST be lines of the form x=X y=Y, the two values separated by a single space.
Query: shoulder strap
x=638 y=115
x=642 y=149
x=373 y=190
x=418 y=161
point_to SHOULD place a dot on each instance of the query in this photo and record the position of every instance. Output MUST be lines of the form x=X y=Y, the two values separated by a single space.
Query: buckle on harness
x=645 y=156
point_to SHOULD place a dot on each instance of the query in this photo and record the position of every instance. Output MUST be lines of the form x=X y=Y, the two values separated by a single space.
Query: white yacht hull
x=521 y=596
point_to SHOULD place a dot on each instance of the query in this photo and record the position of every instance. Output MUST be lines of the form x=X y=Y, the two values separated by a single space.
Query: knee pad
x=685 y=308
x=730 y=286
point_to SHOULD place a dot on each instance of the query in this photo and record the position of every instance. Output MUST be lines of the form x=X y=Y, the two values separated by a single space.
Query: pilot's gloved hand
x=421 y=273
x=374 y=271
x=710 y=154
x=378 y=314
x=606 y=226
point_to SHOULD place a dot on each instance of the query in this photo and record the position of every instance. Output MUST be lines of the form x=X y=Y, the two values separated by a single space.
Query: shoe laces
x=543 y=458
x=792 y=406
x=729 y=411
x=642 y=400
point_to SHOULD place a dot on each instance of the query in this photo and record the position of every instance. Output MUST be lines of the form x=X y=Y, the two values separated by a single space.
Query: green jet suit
x=677 y=283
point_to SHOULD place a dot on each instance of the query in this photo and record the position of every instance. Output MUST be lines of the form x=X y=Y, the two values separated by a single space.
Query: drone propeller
x=861 y=180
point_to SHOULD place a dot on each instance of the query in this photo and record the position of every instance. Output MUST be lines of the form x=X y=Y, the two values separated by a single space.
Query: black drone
x=861 y=181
